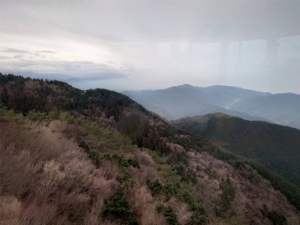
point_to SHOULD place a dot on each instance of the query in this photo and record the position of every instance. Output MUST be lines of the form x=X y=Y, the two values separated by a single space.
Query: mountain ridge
x=184 y=101
x=274 y=145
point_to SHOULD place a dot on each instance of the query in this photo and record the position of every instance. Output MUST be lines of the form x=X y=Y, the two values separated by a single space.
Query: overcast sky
x=126 y=45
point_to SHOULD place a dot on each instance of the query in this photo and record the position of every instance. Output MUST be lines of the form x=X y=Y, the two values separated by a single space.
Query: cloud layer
x=156 y=44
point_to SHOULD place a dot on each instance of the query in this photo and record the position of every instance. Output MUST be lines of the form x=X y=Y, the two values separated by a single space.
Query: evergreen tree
x=4 y=97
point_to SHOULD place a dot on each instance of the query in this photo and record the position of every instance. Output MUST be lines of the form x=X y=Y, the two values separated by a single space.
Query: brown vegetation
x=249 y=198
x=95 y=163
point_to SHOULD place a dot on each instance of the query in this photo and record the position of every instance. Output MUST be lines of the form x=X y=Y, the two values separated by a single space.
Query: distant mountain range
x=186 y=100
x=275 y=146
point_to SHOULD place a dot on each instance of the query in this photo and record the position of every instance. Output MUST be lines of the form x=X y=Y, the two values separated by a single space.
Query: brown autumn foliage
x=46 y=178
x=52 y=181
x=249 y=198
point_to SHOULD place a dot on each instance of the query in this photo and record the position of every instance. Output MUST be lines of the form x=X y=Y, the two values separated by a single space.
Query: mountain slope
x=97 y=157
x=275 y=146
x=185 y=101
x=279 y=108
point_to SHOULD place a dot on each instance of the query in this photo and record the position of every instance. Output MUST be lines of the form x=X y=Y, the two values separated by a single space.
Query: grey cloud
x=13 y=50
x=45 y=51
x=39 y=55
x=66 y=67
x=18 y=56
x=4 y=57
x=127 y=66
x=189 y=20
x=99 y=77
x=147 y=20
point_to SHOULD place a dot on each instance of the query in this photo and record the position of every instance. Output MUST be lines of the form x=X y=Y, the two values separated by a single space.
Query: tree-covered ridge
x=142 y=157
x=26 y=94
x=275 y=146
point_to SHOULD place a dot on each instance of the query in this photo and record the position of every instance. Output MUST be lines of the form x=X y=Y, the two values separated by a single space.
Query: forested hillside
x=97 y=157
x=275 y=146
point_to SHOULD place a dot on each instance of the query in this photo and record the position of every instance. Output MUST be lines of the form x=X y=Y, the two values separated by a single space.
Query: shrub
x=95 y=157
x=134 y=162
x=123 y=162
x=253 y=177
x=84 y=145
x=186 y=174
x=199 y=216
x=159 y=208
x=275 y=217
x=228 y=194
x=211 y=173
x=168 y=213
x=117 y=207
x=155 y=187
x=125 y=176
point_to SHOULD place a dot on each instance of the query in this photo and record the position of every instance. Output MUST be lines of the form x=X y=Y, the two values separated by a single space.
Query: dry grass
x=35 y=214
x=144 y=206
x=148 y=168
x=50 y=176
x=181 y=210
x=17 y=171
x=54 y=182
x=10 y=210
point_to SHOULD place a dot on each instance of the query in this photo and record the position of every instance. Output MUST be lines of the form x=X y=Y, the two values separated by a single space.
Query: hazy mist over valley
x=142 y=112
x=186 y=100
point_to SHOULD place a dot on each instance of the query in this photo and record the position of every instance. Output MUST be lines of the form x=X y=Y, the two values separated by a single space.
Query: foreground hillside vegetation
x=97 y=157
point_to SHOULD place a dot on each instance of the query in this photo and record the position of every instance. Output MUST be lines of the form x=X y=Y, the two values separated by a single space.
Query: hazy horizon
x=74 y=84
